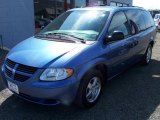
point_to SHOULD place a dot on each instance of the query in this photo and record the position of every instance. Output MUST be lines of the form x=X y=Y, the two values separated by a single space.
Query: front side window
x=119 y=23
x=83 y=24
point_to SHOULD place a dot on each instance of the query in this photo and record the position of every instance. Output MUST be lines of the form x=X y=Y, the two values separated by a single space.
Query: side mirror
x=117 y=35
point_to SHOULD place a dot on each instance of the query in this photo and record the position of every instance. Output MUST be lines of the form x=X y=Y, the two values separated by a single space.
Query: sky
x=147 y=4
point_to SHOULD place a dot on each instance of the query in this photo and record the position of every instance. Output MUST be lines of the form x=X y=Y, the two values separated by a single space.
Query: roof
x=107 y=8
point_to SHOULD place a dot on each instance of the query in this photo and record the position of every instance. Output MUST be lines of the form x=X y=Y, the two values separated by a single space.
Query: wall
x=16 y=21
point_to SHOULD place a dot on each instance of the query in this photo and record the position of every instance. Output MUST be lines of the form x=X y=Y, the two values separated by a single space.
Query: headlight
x=56 y=74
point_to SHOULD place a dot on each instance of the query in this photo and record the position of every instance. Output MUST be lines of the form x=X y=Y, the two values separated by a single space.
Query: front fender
x=86 y=67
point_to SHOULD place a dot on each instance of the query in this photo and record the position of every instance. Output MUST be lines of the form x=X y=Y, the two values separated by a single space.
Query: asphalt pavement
x=134 y=95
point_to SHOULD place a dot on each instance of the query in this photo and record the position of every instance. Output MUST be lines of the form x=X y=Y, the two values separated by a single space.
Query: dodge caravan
x=70 y=60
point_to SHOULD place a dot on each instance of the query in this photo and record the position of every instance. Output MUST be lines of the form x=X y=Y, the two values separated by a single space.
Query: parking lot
x=134 y=95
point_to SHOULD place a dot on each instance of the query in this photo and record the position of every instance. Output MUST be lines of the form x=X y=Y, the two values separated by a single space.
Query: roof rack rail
x=103 y=5
x=97 y=5
x=131 y=6
x=137 y=6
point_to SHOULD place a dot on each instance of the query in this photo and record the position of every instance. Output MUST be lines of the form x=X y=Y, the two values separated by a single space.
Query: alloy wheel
x=93 y=89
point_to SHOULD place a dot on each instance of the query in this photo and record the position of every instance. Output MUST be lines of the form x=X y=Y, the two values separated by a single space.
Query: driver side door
x=119 y=50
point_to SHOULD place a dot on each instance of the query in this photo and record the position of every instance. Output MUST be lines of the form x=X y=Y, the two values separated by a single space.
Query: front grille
x=10 y=63
x=8 y=72
x=18 y=71
x=21 y=78
x=26 y=69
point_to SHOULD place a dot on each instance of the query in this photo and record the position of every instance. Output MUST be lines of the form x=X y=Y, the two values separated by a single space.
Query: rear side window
x=135 y=17
x=119 y=23
x=148 y=19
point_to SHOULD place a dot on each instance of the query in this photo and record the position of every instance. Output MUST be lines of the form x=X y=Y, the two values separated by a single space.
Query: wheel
x=90 y=89
x=148 y=55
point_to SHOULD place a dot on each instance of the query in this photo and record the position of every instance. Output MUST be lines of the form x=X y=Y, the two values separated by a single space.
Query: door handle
x=123 y=45
x=132 y=45
x=122 y=52
x=136 y=42
x=135 y=39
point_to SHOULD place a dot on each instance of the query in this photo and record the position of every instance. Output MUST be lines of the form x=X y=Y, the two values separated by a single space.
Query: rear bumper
x=45 y=93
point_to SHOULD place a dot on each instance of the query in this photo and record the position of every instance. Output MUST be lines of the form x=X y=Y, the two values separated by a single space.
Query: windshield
x=82 y=24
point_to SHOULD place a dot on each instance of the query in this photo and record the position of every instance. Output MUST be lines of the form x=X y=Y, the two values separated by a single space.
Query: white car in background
x=157 y=21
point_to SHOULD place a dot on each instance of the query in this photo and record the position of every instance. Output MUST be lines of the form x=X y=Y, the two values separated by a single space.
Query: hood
x=37 y=53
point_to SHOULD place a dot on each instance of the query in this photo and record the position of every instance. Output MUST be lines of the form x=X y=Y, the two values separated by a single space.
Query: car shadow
x=134 y=95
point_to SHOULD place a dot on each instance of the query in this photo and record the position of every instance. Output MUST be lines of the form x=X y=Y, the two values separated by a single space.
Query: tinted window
x=119 y=23
x=134 y=28
x=148 y=19
x=135 y=16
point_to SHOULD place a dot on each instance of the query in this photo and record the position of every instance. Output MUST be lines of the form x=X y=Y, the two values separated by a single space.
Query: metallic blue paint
x=78 y=56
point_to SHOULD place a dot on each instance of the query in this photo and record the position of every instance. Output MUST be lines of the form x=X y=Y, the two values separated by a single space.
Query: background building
x=111 y=2
x=16 y=21
x=20 y=19
x=154 y=12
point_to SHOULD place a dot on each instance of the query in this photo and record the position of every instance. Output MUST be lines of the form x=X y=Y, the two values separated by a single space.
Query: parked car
x=70 y=60
x=157 y=21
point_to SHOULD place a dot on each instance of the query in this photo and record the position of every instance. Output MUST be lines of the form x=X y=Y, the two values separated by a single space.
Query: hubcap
x=149 y=54
x=93 y=89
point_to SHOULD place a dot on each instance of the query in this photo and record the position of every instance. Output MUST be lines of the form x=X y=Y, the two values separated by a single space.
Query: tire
x=85 y=98
x=148 y=55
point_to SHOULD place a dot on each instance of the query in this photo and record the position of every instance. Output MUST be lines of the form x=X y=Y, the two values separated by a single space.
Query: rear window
x=148 y=19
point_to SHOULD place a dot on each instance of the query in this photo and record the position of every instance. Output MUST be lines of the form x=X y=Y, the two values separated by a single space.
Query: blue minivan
x=70 y=60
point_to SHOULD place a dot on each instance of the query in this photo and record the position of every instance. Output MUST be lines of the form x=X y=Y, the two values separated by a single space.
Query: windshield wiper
x=59 y=34
x=49 y=37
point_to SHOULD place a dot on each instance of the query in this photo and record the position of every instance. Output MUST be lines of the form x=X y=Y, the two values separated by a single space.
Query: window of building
x=47 y=10
x=80 y=3
x=113 y=4
x=125 y=5
x=96 y=2
x=100 y=2
x=119 y=4
x=120 y=25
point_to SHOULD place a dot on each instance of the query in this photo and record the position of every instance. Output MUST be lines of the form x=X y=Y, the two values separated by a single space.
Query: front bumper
x=45 y=93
